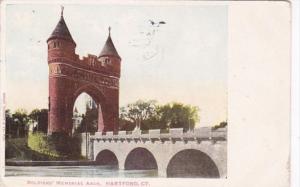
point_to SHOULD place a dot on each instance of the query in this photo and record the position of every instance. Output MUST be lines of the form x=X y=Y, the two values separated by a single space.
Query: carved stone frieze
x=82 y=75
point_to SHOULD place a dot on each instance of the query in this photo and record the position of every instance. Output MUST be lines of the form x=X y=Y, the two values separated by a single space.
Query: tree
x=43 y=121
x=178 y=115
x=34 y=115
x=146 y=115
x=41 y=118
x=89 y=121
x=220 y=125
x=137 y=113
x=34 y=118
x=9 y=122
x=126 y=125
x=21 y=120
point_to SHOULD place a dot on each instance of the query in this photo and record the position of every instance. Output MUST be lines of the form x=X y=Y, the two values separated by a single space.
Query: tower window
x=54 y=45
x=107 y=61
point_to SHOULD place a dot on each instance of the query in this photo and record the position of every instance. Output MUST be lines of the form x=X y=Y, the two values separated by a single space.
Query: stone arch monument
x=69 y=76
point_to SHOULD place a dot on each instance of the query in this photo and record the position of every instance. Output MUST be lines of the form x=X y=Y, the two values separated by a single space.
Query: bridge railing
x=174 y=133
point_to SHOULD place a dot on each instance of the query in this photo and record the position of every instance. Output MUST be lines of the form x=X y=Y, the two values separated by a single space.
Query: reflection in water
x=76 y=171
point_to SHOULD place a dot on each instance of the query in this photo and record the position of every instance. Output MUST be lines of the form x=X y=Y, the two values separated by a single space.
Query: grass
x=40 y=147
x=17 y=149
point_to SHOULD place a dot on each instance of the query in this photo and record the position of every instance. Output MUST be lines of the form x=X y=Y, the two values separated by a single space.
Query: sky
x=183 y=60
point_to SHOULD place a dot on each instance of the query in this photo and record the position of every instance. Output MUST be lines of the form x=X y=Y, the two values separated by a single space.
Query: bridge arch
x=107 y=157
x=140 y=159
x=191 y=163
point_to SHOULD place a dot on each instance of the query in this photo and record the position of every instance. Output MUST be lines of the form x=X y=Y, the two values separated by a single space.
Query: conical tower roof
x=109 y=48
x=61 y=31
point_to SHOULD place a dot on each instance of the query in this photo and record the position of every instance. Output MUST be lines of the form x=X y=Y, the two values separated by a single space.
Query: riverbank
x=49 y=163
x=18 y=149
x=76 y=171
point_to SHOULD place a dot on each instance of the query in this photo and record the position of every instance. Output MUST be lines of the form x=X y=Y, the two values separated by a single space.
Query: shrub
x=221 y=125
x=39 y=143
x=59 y=146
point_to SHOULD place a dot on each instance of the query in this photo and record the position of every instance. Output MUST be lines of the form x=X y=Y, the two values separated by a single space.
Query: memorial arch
x=69 y=76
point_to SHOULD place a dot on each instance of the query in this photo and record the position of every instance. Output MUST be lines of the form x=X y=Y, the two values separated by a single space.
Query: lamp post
x=189 y=125
x=17 y=122
x=9 y=131
x=86 y=141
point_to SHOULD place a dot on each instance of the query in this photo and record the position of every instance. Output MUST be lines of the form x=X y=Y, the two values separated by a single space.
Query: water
x=76 y=171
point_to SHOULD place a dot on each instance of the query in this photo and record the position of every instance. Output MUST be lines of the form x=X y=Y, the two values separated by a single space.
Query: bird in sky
x=156 y=24
x=152 y=22
x=145 y=39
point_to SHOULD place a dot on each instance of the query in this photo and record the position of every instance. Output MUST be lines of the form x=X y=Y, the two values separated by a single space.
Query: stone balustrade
x=204 y=133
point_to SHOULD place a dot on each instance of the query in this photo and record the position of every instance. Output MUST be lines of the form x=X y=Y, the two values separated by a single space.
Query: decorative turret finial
x=109 y=48
x=62 y=11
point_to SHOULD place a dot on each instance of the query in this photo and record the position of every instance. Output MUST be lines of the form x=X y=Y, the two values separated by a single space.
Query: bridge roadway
x=199 y=153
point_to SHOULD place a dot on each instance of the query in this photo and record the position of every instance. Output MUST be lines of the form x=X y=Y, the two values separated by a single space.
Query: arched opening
x=140 y=159
x=107 y=158
x=98 y=99
x=85 y=114
x=191 y=163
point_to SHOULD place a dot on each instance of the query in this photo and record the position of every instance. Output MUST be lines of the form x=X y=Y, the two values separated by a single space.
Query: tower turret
x=109 y=55
x=60 y=43
x=109 y=47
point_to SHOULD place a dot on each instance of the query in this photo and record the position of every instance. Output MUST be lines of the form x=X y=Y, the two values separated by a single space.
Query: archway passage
x=192 y=163
x=97 y=101
x=140 y=159
x=86 y=114
x=107 y=157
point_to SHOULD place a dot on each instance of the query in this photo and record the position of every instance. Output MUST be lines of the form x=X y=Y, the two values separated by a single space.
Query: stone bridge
x=199 y=153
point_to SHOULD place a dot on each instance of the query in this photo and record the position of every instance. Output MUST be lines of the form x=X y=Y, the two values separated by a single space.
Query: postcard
x=145 y=93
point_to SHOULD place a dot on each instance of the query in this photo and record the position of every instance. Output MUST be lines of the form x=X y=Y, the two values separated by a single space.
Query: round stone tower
x=61 y=50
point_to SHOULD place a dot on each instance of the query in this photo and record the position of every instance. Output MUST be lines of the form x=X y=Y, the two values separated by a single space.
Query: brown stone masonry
x=70 y=76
